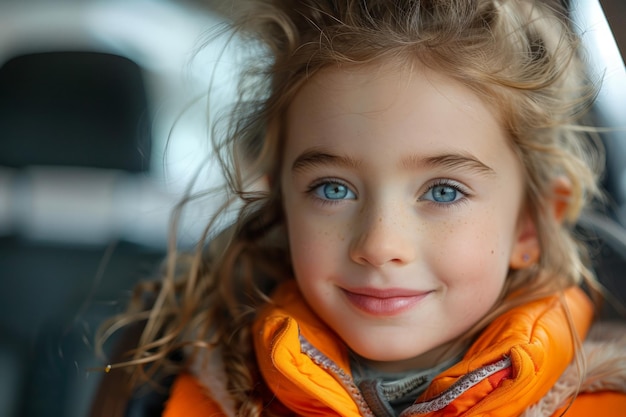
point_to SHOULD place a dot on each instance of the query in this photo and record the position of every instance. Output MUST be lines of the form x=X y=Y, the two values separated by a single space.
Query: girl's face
x=403 y=204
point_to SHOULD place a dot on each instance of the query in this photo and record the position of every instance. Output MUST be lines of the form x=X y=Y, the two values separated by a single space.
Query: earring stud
x=525 y=258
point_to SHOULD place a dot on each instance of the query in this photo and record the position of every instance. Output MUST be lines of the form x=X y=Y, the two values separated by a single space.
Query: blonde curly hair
x=519 y=56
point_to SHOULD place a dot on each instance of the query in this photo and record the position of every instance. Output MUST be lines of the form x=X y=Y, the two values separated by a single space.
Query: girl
x=410 y=172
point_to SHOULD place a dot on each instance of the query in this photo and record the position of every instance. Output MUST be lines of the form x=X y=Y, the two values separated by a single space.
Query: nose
x=384 y=237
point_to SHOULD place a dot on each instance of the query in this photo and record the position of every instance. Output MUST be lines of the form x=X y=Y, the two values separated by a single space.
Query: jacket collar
x=306 y=365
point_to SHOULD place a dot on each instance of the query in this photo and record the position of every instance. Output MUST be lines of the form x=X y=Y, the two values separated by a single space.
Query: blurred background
x=103 y=125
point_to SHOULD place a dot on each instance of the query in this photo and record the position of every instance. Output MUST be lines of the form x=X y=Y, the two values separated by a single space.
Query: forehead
x=387 y=78
x=407 y=105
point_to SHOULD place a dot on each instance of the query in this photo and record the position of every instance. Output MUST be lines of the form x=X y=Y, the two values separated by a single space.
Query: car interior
x=103 y=124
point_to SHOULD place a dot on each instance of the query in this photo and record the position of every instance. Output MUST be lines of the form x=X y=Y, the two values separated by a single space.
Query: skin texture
x=403 y=202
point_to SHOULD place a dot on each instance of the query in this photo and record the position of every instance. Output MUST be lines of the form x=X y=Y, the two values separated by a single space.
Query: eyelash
x=444 y=182
x=437 y=183
x=325 y=181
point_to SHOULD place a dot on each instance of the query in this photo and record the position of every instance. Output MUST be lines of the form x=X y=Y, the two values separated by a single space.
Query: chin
x=386 y=354
x=400 y=356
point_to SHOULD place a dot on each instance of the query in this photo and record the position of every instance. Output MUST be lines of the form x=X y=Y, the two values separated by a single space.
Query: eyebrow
x=453 y=161
x=317 y=157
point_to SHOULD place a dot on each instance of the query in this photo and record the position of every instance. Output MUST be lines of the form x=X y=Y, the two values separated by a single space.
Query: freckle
x=492 y=252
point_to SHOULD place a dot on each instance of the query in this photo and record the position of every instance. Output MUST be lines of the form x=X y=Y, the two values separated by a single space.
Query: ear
x=527 y=250
x=561 y=192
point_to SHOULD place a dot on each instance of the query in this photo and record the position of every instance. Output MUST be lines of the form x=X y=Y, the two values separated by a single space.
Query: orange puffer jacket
x=519 y=366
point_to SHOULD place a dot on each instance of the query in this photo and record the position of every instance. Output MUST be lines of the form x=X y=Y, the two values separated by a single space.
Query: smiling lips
x=384 y=302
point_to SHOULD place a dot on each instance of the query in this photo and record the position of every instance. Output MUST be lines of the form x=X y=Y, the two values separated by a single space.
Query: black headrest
x=74 y=109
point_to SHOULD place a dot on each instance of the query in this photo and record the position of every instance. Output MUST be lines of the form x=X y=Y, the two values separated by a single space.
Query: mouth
x=387 y=302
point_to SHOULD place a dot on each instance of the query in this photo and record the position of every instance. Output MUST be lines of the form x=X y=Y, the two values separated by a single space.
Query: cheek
x=473 y=253
x=314 y=245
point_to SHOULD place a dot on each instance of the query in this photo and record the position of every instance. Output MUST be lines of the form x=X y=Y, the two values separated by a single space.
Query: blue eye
x=443 y=193
x=333 y=191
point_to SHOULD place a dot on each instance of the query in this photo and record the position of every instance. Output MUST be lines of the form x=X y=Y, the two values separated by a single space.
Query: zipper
x=339 y=374
x=455 y=390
